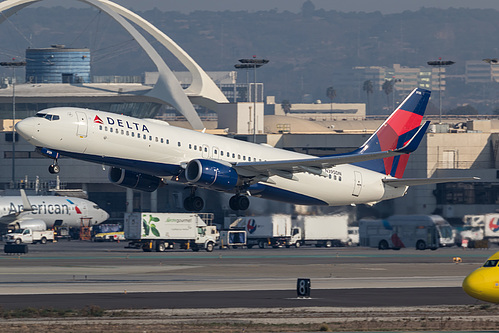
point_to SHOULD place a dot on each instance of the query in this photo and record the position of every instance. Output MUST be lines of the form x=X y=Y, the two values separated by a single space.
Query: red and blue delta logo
x=251 y=226
x=98 y=120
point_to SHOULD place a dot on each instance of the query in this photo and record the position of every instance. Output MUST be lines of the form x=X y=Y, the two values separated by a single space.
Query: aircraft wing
x=395 y=182
x=8 y=219
x=316 y=165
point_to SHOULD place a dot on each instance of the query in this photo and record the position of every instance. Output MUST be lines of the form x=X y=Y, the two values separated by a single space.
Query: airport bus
x=418 y=231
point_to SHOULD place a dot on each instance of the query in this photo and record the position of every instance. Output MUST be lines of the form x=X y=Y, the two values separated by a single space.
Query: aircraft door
x=82 y=128
x=357 y=183
x=206 y=151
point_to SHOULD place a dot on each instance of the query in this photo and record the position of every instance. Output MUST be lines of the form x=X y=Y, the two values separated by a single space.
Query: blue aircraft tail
x=395 y=133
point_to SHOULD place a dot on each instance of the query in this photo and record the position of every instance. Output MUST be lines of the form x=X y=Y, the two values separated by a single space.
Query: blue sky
x=385 y=6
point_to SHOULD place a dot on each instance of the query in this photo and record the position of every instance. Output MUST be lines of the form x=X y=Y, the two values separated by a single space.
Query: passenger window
x=105 y=128
x=238 y=156
x=127 y=133
x=111 y=129
x=100 y=127
x=156 y=138
x=167 y=141
x=179 y=144
x=249 y=159
x=205 y=149
x=195 y=147
x=150 y=137
x=244 y=158
x=162 y=140
x=228 y=154
x=138 y=135
x=233 y=155
x=133 y=134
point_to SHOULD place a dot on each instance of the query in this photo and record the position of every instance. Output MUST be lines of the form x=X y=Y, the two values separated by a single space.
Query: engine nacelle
x=211 y=174
x=134 y=180
x=29 y=224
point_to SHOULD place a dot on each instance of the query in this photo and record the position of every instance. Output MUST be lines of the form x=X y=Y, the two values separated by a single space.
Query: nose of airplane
x=105 y=215
x=473 y=284
x=26 y=128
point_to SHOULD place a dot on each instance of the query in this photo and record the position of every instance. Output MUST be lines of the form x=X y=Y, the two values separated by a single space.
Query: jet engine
x=134 y=180
x=211 y=174
x=31 y=224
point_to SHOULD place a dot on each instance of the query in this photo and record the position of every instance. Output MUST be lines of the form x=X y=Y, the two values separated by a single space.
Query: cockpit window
x=48 y=116
x=491 y=263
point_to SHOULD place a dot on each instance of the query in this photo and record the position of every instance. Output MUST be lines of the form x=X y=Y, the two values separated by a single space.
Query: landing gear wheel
x=193 y=204
x=54 y=168
x=239 y=202
x=197 y=204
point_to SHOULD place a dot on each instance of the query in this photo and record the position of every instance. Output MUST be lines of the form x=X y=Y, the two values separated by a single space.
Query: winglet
x=26 y=204
x=414 y=142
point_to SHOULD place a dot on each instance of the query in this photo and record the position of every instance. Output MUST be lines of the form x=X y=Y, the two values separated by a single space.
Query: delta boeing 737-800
x=143 y=153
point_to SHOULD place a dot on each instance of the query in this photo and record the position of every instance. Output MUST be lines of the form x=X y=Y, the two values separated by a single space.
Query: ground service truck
x=320 y=230
x=272 y=230
x=161 y=231
x=398 y=231
x=480 y=227
x=29 y=236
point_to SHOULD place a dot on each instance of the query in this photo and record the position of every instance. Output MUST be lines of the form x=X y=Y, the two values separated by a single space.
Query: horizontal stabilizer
x=425 y=181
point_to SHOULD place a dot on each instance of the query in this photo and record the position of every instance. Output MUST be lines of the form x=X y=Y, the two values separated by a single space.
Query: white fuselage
x=156 y=148
x=53 y=210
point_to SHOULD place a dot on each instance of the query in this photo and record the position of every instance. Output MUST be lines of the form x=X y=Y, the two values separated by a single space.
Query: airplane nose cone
x=473 y=284
x=25 y=128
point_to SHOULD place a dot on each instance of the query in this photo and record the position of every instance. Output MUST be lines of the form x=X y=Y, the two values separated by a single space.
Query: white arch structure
x=167 y=89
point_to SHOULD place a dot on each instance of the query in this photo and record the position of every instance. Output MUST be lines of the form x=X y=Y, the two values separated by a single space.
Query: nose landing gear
x=54 y=168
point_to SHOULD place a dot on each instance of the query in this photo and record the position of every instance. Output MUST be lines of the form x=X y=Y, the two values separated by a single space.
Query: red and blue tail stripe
x=394 y=133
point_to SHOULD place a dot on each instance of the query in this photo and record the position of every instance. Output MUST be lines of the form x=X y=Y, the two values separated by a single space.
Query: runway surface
x=76 y=274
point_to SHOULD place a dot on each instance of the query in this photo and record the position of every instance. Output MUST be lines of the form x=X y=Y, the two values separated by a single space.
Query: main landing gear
x=193 y=203
x=54 y=168
x=239 y=202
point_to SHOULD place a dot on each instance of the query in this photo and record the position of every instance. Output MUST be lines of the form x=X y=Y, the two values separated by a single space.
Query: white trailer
x=29 y=235
x=272 y=230
x=161 y=231
x=480 y=227
x=398 y=231
x=323 y=230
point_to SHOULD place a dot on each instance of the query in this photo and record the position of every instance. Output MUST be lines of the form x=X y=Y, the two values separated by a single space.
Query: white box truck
x=29 y=235
x=161 y=231
x=271 y=230
x=398 y=231
x=480 y=227
x=320 y=230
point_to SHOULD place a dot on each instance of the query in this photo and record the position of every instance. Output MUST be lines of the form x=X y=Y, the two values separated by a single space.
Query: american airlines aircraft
x=43 y=212
x=143 y=153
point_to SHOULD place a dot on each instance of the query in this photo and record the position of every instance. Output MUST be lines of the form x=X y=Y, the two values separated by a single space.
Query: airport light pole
x=247 y=64
x=440 y=63
x=13 y=64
